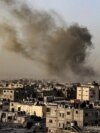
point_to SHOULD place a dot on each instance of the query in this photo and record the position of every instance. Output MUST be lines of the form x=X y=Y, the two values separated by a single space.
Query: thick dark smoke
x=68 y=49
x=36 y=35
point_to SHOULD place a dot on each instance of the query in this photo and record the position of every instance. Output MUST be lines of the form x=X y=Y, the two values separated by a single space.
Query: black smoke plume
x=37 y=36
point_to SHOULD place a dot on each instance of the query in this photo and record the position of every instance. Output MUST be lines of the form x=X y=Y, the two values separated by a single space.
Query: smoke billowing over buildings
x=38 y=36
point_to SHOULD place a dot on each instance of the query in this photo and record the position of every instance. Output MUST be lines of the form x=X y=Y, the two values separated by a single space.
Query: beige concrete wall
x=79 y=117
x=29 y=109
x=88 y=93
x=63 y=117
x=91 y=116
x=8 y=94
x=51 y=117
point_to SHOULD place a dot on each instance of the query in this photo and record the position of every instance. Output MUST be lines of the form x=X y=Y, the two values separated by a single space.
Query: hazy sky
x=83 y=12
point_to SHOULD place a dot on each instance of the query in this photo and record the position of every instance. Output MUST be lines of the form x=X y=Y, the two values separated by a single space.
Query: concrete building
x=18 y=94
x=6 y=116
x=8 y=94
x=14 y=85
x=28 y=108
x=61 y=117
x=88 y=92
x=13 y=117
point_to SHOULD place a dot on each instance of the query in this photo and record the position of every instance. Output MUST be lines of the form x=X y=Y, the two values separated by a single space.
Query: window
x=0 y=107
x=86 y=114
x=63 y=115
x=12 y=109
x=76 y=112
x=96 y=114
x=9 y=118
x=59 y=125
x=91 y=96
x=3 y=115
x=48 y=109
x=63 y=125
x=11 y=91
x=60 y=114
x=50 y=130
x=68 y=113
x=19 y=108
x=68 y=122
x=12 y=104
x=35 y=113
x=50 y=121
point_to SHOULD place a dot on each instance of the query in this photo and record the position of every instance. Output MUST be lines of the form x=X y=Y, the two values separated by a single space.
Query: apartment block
x=88 y=92
x=61 y=117
x=28 y=108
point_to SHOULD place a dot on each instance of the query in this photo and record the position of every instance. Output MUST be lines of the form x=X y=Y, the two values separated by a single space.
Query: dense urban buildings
x=50 y=106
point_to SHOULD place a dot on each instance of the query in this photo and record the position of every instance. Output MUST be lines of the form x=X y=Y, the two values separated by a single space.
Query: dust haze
x=36 y=36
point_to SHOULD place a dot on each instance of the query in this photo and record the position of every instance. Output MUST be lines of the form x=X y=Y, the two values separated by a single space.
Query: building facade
x=18 y=94
x=88 y=92
x=29 y=109
x=61 y=117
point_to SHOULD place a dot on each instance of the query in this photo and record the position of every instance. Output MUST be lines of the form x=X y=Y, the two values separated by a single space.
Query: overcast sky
x=83 y=12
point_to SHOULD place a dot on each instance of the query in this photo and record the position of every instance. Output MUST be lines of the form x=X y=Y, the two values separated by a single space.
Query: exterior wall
x=92 y=116
x=59 y=117
x=20 y=120
x=8 y=94
x=4 y=116
x=83 y=93
x=67 y=115
x=79 y=117
x=1 y=92
x=88 y=93
x=12 y=94
x=17 y=94
x=65 y=131
x=51 y=118
x=29 y=109
x=14 y=86
x=94 y=93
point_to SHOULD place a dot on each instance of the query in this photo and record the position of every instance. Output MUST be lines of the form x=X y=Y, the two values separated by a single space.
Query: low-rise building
x=61 y=116
x=14 y=85
x=8 y=94
x=18 y=94
x=28 y=108
x=6 y=116
x=88 y=92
